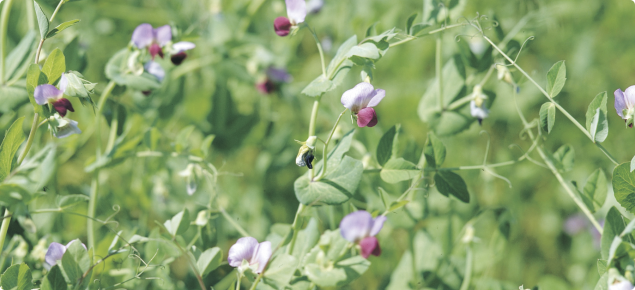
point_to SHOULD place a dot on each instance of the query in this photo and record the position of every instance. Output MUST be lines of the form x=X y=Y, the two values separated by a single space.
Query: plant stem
x=30 y=14
x=39 y=49
x=468 y=267
x=4 y=20
x=233 y=223
x=59 y=5
x=295 y=227
x=326 y=144
x=314 y=113
x=560 y=108
x=319 y=46
x=238 y=281
x=192 y=265
x=29 y=141
x=4 y=228
x=438 y=68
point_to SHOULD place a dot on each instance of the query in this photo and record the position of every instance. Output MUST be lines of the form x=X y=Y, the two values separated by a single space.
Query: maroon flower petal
x=366 y=117
x=266 y=87
x=282 y=26
x=370 y=246
x=155 y=49
x=178 y=58
x=62 y=105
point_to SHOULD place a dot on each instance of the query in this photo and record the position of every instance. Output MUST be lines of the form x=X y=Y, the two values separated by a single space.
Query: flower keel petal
x=366 y=118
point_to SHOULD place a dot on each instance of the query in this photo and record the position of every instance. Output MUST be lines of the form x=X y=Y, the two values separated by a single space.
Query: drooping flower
x=296 y=12
x=248 y=253
x=155 y=69
x=191 y=173
x=55 y=253
x=360 y=100
x=45 y=94
x=178 y=51
x=477 y=105
x=63 y=127
x=359 y=227
x=625 y=104
x=305 y=154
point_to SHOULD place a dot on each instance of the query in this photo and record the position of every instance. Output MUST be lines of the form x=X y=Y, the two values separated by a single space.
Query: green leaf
x=398 y=169
x=306 y=239
x=547 y=116
x=340 y=274
x=602 y=266
x=448 y=182
x=318 y=87
x=624 y=186
x=143 y=82
x=599 y=126
x=336 y=187
x=409 y=23
x=209 y=260
x=19 y=56
x=388 y=145
x=613 y=226
x=11 y=194
x=599 y=102
x=395 y=205
x=34 y=78
x=10 y=278
x=25 y=279
x=365 y=50
x=179 y=223
x=564 y=157
x=418 y=28
x=54 y=280
x=66 y=201
x=340 y=56
x=61 y=27
x=151 y=138
x=54 y=66
x=595 y=190
x=556 y=77
x=42 y=20
x=434 y=151
x=632 y=164
x=10 y=144
x=70 y=269
x=280 y=271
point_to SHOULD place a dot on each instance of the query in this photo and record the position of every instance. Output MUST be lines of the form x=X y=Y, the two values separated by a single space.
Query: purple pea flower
x=178 y=51
x=155 y=39
x=360 y=101
x=46 y=93
x=248 y=253
x=314 y=6
x=155 y=69
x=625 y=104
x=56 y=252
x=359 y=227
x=296 y=12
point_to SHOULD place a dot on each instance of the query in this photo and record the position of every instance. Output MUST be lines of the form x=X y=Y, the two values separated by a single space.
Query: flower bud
x=305 y=154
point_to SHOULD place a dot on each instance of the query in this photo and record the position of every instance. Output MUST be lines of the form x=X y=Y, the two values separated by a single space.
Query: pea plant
x=151 y=205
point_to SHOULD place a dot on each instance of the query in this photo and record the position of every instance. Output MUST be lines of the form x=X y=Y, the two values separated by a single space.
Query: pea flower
x=359 y=227
x=49 y=94
x=156 y=39
x=63 y=127
x=360 y=100
x=477 y=105
x=275 y=76
x=155 y=69
x=178 y=51
x=617 y=281
x=625 y=104
x=248 y=253
x=314 y=6
x=56 y=252
x=296 y=11
x=305 y=154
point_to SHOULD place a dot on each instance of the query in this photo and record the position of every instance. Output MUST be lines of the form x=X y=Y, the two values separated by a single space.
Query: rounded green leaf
x=556 y=77
x=448 y=182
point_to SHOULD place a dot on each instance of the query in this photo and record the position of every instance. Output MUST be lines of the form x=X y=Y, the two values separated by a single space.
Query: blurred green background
x=254 y=149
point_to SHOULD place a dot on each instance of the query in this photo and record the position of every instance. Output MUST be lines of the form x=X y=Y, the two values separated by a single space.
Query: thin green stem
x=39 y=49
x=411 y=38
x=94 y=189
x=3 y=229
x=296 y=228
x=234 y=223
x=489 y=73
x=438 y=68
x=193 y=266
x=460 y=102
x=319 y=46
x=30 y=14
x=4 y=20
x=238 y=281
x=468 y=267
x=59 y=5
x=314 y=114
x=326 y=145
x=113 y=131
x=29 y=141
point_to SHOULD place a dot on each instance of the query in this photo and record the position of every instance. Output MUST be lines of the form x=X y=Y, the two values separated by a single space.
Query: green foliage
x=388 y=145
x=209 y=260
x=596 y=121
x=547 y=116
x=179 y=223
x=613 y=226
x=556 y=77
x=434 y=151
x=34 y=78
x=54 y=280
x=398 y=169
x=116 y=70
x=61 y=27
x=42 y=20
x=563 y=158
x=10 y=144
x=624 y=186
x=595 y=190
x=54 y=66
x=17 y=277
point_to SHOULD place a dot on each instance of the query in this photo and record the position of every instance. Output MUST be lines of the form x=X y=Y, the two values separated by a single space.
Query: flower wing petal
x=262 y=255
x=163 y=35
x=54 y=253
x=378 y=223
x=142 y=35
x=358 y=97
x=45 y=92
x=155 y=69
x=620 y=102
x=478 y=112
x=356 y=225
x=182 y=46
x=296 y=10
x=378 y=96
x=68 y=127
x=243 y=249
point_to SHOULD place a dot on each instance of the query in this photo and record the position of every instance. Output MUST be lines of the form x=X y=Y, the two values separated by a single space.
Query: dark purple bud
x=178 y=58
x=62 y=105
x=146 y=93
x=308 y=159
x=370 y=246
x=282 y=26
x=266 y=87
x=366 y=117
x=155 y=49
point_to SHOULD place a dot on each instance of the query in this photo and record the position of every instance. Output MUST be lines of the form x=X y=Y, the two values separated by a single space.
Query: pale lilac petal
x=143 y=35
x=369 y=246
x=478 y=112
x=296 y=10
x=358 y=97
x=629 y=96
x=621 y=285
x=54 y=254
x=261 y=256
x=155 y=69
x=620 y=102
x=314 y=6
x=379 y=95
x=378 y=223
x=356 y=225
x=163 y=35
x=67 y=127
x=279 y=75
x=367 y=117
x=45 y=92
x=243 y=249
x=182 y=46
x=63 y=82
